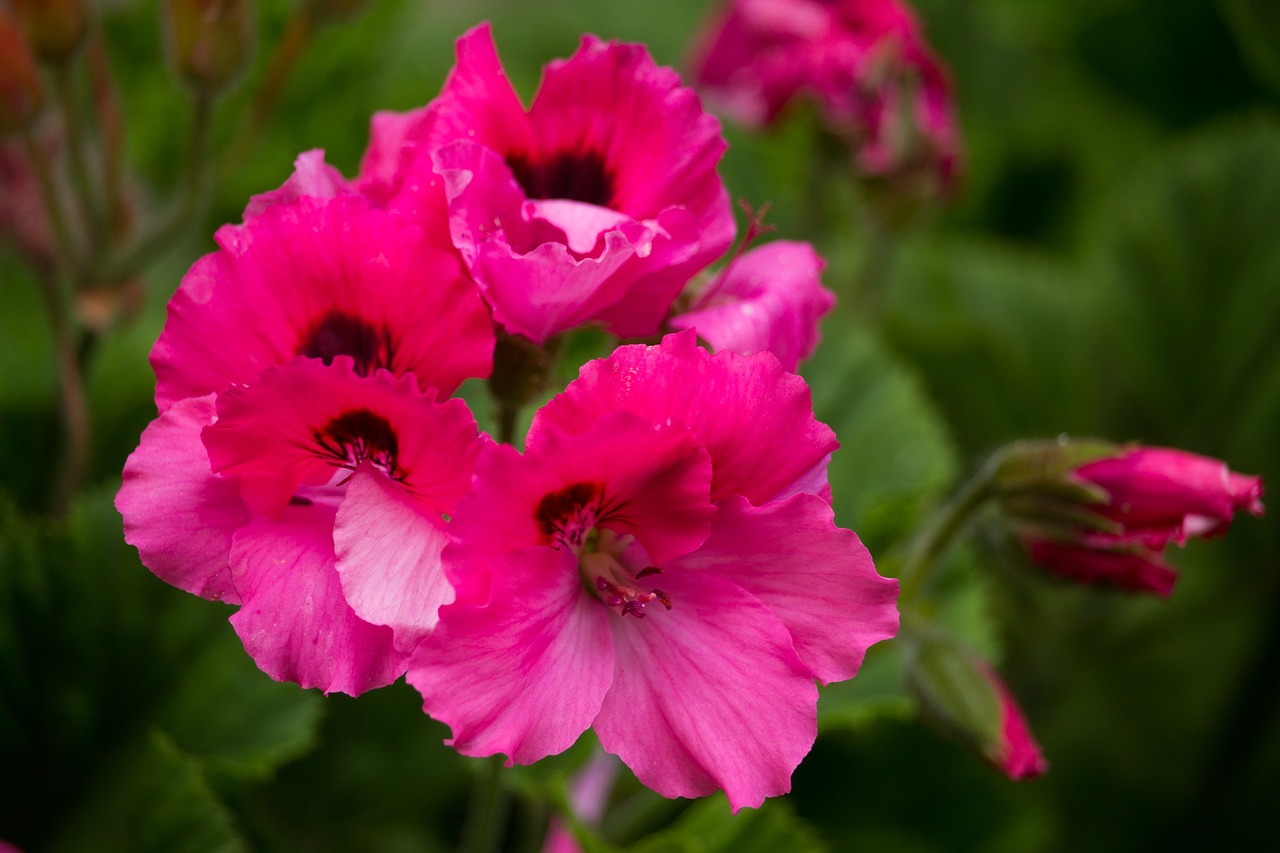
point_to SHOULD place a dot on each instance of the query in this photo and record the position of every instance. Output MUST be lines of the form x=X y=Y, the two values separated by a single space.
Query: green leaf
x=1256 y=26
x=709 y=827
x=152 y=799
x=895 y=456
x=874 y=693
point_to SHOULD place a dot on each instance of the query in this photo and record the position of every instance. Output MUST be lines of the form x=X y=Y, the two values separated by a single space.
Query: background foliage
x=1110 y=266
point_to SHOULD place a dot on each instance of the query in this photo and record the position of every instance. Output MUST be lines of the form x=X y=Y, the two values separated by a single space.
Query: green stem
x=487 y=814
x=78 y=159
x=146 y=250
x=940 y=531
x=111 y=119
x=75 y=409
x=52 y=205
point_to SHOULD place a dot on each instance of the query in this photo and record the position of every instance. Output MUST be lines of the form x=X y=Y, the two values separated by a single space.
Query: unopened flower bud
x=54 y=28
x=1098 y=513
x=210 y=39
x=963 y=696
x=20 y=93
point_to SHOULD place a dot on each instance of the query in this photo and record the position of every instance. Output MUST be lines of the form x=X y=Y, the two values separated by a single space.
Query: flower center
x=357 y=435
x=611 y=564
x=577 y=176
x=339 y=333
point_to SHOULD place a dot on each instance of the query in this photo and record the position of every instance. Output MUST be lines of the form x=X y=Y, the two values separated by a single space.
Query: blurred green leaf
x=875 y=692
x=895 y=456
x=708 y=827
x=154 y=800
x=1256 y=26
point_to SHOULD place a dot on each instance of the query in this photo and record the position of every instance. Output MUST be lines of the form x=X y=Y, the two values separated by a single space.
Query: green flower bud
x=55 y=28
x=209 y=39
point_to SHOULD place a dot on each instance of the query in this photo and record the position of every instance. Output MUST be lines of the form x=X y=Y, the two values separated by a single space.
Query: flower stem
x=78 y=159
x=52 y=205
x=487 y=814
x=106 y=101
x=941 y=530
x=75 y=409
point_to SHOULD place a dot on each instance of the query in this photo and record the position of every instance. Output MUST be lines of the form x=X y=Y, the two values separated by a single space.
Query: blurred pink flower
x=865 y=63
x=629 y=501
x=768 y=300
x=1153 y=496
x=1014 y=751
x=595 y=205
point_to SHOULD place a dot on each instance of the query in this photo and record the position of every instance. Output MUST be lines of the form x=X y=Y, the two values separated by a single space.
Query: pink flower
x=768 y=300
x=313 y=498
x=322 y=277
x=1150 y=496
x=1013 y=751
x=596 y=205
x=634 y=499
x=864 y=62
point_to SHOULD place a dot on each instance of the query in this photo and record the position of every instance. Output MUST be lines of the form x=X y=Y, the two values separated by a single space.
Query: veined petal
x=754 y=418
x=293 y=620
x=312 y=178
x=388 y=551
x=322 y=278
x=709 y=695
x=179 y=514
x=524 y=673
x=815 y=577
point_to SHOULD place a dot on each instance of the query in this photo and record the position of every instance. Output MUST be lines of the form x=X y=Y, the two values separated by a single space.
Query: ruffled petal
x=523 y=674
x=769 y=300
x=179 y=514
x=388 y=551
x=709 y=695
x=312 y=178
x=322 y=278
x=754 y=418
x=293 y=620
x=816 y=577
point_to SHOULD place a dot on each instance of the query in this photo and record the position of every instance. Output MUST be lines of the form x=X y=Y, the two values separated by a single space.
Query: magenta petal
x=388 y=551
x=709 y=695
x=312 y=178
x=769 y=300
x=816 y=577
x=755 y=419
x=322 y=278
x=525 y=673
x=177 y=512
x=293 y=620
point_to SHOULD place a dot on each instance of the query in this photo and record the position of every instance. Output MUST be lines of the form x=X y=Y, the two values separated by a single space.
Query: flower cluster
x=865 y=64
x=660 y=564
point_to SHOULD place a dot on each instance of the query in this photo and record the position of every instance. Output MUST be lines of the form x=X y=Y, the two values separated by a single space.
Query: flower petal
x=817 y=578
x=312 y=178
x=179 y=514
x=388 y=551
x=293 y=620
x=755 y=419
x=709 y=695
x=524 y=673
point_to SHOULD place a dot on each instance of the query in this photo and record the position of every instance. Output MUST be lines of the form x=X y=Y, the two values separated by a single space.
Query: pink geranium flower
x=595 y=205
x=632 y=572
x=864 y=62
x=1150 y=497
x=322 y=277
x=768 y=300
x=313 y=498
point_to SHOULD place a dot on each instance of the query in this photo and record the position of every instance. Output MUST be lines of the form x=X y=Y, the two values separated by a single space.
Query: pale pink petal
x=391 y=141
x=177 y=512
x=322 y=278
x=523 y=674
x=293 y=620
x=709 y=695
x=817 y=578
x=388 y=551
x=754 y=418
x=312 y=177
x=305 y=422
x=769 y=300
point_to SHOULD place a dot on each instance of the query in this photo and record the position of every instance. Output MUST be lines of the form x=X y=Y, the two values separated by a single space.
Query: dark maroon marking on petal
x=357 y=435
x=557 y=511
x=339 y=333
x=646 y=572
x=573 y=175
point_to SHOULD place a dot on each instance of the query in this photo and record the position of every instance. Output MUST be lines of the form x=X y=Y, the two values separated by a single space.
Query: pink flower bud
x=20 y=93
x=54 y=28
x=1106 y=515
x=210 y=39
